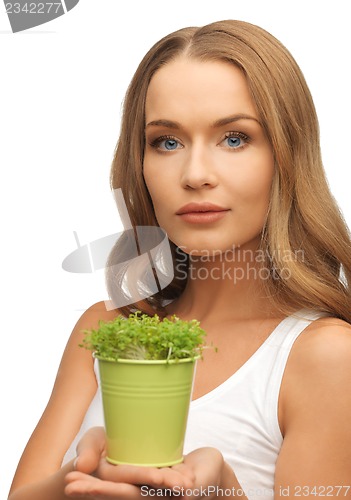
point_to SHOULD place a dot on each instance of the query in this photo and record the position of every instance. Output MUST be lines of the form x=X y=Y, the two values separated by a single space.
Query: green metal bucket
x=146 y=406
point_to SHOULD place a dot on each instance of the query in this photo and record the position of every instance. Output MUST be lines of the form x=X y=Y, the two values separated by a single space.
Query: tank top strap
x=290 y=328
x=280 y=345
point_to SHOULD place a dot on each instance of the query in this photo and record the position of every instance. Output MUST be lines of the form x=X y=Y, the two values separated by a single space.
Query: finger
x=84 y=485
x=89 y=450
x=186 y=471
x=129 y=473
x=74 y=476
x=180 y=476
x=206 y=463
x=166 y=477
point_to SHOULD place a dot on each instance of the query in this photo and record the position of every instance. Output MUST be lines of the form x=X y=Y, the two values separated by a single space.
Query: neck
x=225 y=286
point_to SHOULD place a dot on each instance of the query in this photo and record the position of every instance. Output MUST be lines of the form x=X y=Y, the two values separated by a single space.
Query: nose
x=198 y=170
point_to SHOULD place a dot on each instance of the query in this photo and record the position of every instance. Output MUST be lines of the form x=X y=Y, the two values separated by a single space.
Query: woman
x=219 y=146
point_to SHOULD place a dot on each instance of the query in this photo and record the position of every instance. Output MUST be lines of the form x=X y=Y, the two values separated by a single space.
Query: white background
x=61 y=89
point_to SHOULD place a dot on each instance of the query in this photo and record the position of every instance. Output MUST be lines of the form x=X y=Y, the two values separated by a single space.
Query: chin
x=202 y=249
x=215 y=247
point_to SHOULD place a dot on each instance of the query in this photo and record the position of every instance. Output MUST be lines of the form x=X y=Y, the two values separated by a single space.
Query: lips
x=200 y=208
x=201 y=213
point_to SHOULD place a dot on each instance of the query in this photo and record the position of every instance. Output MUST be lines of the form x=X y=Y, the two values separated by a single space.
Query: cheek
x=157 y=188
x=150 y=179
x=253 y=196
x=254 y=184
x=259 y=190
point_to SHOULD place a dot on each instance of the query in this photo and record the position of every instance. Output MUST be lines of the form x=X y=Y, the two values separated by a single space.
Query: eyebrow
x=218 y=123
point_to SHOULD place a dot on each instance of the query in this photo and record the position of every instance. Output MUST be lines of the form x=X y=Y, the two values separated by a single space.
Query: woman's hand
x=202 y=473
x=95 y=478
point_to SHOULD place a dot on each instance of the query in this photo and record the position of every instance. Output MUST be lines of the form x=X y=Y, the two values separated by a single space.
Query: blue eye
x=234 y=142
x=165 y=143
x=170 y=144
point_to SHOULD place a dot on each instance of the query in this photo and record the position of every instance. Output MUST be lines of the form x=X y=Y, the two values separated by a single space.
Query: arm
x=315 y=459
x=39 y=474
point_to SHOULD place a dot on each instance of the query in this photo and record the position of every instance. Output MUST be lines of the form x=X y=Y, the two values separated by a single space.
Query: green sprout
x=145 y=337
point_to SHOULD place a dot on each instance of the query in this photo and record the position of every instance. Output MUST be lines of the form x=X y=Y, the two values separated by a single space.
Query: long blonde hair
x=303 y=220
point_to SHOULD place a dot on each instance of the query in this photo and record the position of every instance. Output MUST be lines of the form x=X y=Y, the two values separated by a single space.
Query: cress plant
x=145 y=337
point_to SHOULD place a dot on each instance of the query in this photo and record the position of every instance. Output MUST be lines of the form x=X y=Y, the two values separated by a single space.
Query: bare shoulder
x=95 y=313
x=318 y=371
x=324 y=343
x=74 y=355
x=92 y=316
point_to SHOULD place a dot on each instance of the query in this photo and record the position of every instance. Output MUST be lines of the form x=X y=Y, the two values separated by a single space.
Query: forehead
x=188 y=87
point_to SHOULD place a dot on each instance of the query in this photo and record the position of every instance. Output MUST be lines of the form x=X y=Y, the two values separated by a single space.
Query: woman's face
x=208 y=165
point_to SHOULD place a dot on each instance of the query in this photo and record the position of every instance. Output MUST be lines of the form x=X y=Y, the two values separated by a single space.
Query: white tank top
x=240 y=416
